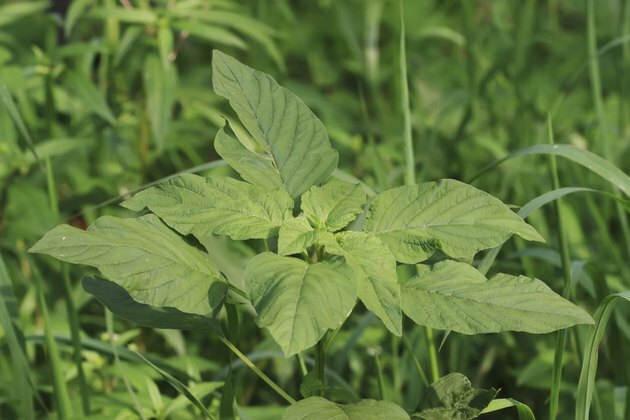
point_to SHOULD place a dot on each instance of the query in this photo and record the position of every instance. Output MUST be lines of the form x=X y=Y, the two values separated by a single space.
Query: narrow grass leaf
x=293 y=138
x=127 y=15
x=449 y=216
x=76 y=9
x=298 y=302
x=179 y=386
x=589 y=160
x=160 y=82
x=13 y=12
x=455 y=296
x=210 y=33
x=23 y=383
x=90 y=96
x=143 y=255
x=9 y=104
x=192 y=204
x=586 y=385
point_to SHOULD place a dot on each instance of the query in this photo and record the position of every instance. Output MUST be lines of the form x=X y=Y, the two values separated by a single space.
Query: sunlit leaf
x=333 y=205
x=295 y=235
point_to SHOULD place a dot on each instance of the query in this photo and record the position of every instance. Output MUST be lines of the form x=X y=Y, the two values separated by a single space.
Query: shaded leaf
x=160 y=82
x=447 y=215
x=455 y=296
x=298 y=302
x=192 y=204
x=316 y=408
x=90 y=96
x=142 y=255
x=452 y=397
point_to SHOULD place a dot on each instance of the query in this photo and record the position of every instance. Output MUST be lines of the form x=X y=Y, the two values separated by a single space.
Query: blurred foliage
x=99 y=98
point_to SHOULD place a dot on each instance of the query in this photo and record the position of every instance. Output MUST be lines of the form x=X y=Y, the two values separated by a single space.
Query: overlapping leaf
x=377 y=279
x=295 y=235
x=293 y=138
x=455 y=296
x=298 y=302
x=201 y=206
x=142 y=255
x=447 y=215
x=334 y=205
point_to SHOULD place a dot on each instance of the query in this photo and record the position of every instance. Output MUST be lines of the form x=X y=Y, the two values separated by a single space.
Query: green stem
x=257 y=371
x=301 y=364
x=320 y=361
x=410 y=164
x=561 y=337
x=433 y=359
x=381 y=381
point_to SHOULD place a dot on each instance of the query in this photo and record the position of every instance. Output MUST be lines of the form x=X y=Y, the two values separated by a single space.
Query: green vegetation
x=343 y=248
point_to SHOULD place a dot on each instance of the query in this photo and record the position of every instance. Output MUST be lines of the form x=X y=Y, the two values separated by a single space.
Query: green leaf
x=586 y=385
x=90 y=96
x=334 y=205
x=589 y=160
x=295 y=235
x=293 y=138
x=453 y=397
x=128 y=15
x=447 y=215
x=316 y=408
x=211 y=33
x=160 y=82
x=375 y=266
x=455 y=296
x=524 y=412
x=121 y=303
x=142 y=255
x=13 y=12
x=298 y=301
x=192 y=204
x=253 y=167
x=374 y=410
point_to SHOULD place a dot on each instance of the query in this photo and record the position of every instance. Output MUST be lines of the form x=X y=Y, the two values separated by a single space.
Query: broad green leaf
x=121 y=303
x=192 y=204
x=453 y=397
x=253 y=167
x=316 y=408
x=455 y=296
x=295 y=235
x=142 y=255
x=90 y=96
x=374 y=410
x=447 y=215
x=298 y=302
x=334 y=205
x=586 y=385
x=160 y=82
x=523 y=410
x=376 y=273
x=294 y=139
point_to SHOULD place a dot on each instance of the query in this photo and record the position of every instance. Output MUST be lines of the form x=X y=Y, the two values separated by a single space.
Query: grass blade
x=21 y=373
x=589 y=160
x=410 y=164
x=586 y=385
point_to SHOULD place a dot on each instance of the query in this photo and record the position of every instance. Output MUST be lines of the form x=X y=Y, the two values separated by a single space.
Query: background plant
x=482 y=80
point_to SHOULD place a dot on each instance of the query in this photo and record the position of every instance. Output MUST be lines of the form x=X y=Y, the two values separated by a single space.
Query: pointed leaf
x=253 y=167
x=295 y=235
x=375 y=266
x=455 y=296
x=90 y=96
x=447 y=215
x=334 y=205
x=294 y=139
x=298 y=302
x=160 y=82
x=142 y=255
x=192 y=204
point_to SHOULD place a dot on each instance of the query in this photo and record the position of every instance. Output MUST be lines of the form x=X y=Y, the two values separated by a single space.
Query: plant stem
x=433 y=359
x=381 y=381
x=257 y=371
x=410 y=164
x=320 y=361
x=561 y=336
